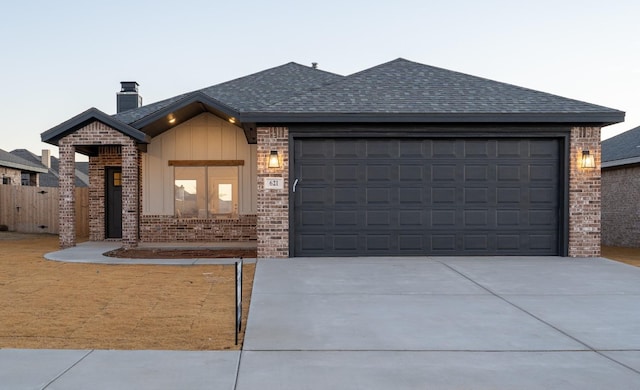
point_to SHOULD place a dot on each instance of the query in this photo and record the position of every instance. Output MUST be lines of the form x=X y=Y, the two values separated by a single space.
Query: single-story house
x=399 y=159
x=52 y=164
x=17 y=171
x=620 y=189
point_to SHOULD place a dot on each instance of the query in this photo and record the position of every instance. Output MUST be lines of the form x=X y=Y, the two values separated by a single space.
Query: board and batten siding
x=204 y=137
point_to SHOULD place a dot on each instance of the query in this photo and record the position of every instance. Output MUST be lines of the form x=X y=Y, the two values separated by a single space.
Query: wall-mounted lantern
x=274 y=160
x=588 y=162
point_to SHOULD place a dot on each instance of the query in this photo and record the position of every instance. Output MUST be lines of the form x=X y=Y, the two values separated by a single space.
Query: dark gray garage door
x=381 y=196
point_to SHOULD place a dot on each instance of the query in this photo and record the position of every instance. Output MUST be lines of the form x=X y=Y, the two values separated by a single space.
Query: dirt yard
x=625 y=255
x=48 y=304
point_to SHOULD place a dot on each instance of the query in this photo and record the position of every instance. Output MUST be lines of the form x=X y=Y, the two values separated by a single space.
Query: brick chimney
x=128 y=97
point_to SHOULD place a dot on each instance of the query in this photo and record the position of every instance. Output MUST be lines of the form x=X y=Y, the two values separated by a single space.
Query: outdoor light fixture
x=172 y=119
x=587 y=160
x=232 y=120
x=274 y=161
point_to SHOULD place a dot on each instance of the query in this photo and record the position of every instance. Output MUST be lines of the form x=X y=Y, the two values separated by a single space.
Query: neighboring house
x=399 y=159
x=18 y=171
x=51 y=163
x=620 y=189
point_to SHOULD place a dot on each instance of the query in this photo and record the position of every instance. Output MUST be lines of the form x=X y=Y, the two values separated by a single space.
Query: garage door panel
x=446 y=195
x=427 y=196
x=442 y=172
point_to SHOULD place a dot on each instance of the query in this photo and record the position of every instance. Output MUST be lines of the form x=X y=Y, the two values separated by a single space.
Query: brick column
x=130 y=195
x=273 y=204
x=584 y=194
x=67 y=201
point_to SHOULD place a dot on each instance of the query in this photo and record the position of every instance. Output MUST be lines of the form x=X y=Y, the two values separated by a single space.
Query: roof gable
x=243 y=94
x=54 y=134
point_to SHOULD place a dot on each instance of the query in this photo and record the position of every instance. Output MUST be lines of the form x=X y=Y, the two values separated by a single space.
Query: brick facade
x=67 y=202
x=621 y=206
x=273 y=204
x=270 y=225
x=14 y=175
x=114 y=149
x=584 y=194
x=167 y=228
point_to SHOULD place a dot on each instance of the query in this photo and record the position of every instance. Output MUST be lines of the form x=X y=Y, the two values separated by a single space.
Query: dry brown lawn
x=48 y=304
x=624 y=255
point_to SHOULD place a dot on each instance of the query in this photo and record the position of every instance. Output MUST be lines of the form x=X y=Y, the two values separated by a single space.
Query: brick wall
x=621 y=207
x=584 y=194
x=166 y=228
x=67 y=201
x=273 y=205
x=14 y=174
x=113 y=147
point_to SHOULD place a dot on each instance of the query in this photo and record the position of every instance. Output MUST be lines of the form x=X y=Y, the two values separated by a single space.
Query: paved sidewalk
x=401 y=323
x=93 y=252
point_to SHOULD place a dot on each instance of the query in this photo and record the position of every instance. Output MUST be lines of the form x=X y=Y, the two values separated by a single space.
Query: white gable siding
x=204 y=137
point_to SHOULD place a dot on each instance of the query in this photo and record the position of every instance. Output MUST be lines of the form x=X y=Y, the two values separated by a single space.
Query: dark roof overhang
x=599 y=119
x=53 y=135
x=188 y=107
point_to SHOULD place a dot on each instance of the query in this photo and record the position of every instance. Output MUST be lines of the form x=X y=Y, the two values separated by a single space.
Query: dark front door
x=379 y=196
x=113 y=202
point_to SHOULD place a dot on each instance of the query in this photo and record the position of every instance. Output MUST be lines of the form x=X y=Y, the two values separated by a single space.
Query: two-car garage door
x=406 y=196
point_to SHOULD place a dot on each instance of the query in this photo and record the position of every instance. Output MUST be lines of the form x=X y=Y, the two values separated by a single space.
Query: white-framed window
x=205 y=192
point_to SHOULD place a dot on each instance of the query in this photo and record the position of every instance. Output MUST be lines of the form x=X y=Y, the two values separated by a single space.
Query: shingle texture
x=396 y=87
x=622 y=146
x=250 y=93
x=13 y=161
x=402 y=86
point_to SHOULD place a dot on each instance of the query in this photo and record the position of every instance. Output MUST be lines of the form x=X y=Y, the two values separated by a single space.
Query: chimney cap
x=129 y=86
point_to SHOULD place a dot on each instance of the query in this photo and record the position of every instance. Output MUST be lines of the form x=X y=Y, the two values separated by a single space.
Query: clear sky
x=59 y=58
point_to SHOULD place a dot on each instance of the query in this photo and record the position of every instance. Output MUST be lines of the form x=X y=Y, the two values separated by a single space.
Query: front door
x=113 y=202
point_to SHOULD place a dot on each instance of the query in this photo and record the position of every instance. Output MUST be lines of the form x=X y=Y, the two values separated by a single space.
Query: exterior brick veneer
x=273 y=205
x=584 y=194
x=621 y=207
x=67 y=201
x=14 y=174
x=165 y=228
x=114 y=149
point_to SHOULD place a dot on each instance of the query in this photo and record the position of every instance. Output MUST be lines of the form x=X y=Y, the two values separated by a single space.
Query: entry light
x=587 y=160
x=232 y=120
x=172 y=119
x=274 y=160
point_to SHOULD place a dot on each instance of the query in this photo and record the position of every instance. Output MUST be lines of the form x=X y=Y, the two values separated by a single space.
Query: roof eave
x=589 y=118
x=53 y=135
x=621 y=162
x=23 y=167
x=192 y=98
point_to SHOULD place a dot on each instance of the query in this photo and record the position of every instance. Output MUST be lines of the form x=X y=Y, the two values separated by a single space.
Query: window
x=6 y=180
x=117 y=179
x=203 y=192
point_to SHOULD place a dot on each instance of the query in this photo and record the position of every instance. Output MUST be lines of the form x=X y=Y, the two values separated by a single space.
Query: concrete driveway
x=400 y=323
x=443 y=323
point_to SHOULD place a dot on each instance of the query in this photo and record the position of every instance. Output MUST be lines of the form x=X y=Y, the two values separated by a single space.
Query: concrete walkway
x=401 y=323
x=93 y=252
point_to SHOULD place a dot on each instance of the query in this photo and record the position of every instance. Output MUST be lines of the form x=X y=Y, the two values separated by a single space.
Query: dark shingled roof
x=12 y=161
x=254 y=92
x=622 y=149
x=402 y=86
x=399 y=91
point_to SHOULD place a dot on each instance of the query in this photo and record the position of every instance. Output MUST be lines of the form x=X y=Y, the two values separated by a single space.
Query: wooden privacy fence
x=27 y=209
